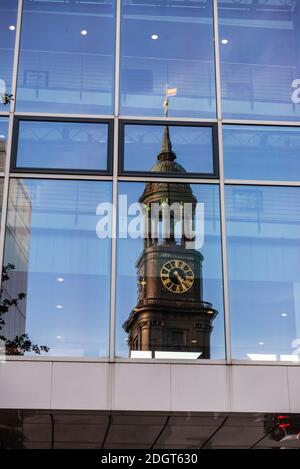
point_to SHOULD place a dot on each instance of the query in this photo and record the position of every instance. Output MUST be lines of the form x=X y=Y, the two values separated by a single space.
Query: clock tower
x=170 y=314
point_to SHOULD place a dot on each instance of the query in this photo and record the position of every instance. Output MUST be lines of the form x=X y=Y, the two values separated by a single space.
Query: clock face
x=177 y=276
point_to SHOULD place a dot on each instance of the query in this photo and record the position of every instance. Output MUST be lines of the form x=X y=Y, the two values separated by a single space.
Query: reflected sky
x=261 y=152
x=192 y=146
x=167 y=43
x=67 y=57
x=61 y=265
x=259 y=53
x=263 y=238
x=62 y=145
x=130 y=249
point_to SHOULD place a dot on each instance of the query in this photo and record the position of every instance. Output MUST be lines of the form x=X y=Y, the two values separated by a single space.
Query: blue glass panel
x=260 y=59
x=263 y=236
x=8 y=18
x=62 y=145
x=265 y=153
x=167 y=45
x=67 y=57
x=141 y=294
x=61 y=265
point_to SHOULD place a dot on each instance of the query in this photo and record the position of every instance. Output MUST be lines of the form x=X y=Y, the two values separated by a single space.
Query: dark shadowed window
x=62 y=145
x=193 y=149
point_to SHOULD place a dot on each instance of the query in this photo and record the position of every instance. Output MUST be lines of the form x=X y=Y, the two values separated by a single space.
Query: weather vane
x=169 y=92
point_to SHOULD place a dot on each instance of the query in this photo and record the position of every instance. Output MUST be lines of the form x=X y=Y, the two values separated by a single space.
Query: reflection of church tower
x=170 y=314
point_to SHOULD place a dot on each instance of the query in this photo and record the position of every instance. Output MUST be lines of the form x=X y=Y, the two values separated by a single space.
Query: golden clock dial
x=177 y=276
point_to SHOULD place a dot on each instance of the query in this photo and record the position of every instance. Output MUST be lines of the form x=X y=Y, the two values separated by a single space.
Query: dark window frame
x=215 y=149
x=14 y=168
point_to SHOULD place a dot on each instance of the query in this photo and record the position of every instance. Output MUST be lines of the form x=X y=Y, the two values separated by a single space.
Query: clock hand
x=182 y=280
x=179 y=278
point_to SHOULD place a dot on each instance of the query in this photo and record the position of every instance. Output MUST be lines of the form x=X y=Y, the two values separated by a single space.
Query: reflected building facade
x=17 y=246
x=170 y=315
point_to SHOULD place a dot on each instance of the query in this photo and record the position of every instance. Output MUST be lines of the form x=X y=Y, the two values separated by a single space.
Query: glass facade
x=152 y=181
x=151 y=271
x=158 y=51
x=60 y=264
x=67 y=57
x=263 y=250
x=265 y=153
x=260 y=59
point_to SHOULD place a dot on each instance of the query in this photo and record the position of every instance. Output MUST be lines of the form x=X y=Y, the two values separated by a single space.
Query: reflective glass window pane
x=167 y=45
x=260 y=59
x=61 y=263
x=192 y=148
x=67 y=57
x=263 y=236
x=169 y=283
x=3 y=141
x=8 y=18
x=62 y=145
x=264 y=152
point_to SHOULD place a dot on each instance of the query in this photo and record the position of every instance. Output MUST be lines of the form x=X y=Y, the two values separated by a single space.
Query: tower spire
x=166 y=143
x=166 y=153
